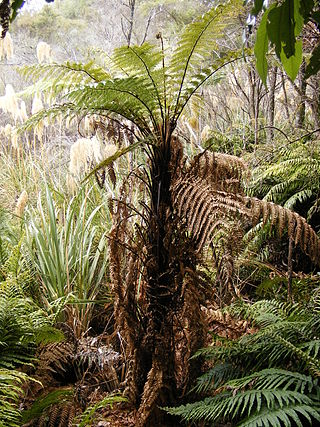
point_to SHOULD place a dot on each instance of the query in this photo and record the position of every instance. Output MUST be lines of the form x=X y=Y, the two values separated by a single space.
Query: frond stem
x=189 y=59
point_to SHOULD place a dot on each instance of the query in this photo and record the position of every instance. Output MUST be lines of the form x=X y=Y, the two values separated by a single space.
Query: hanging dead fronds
x=55 y=360
x=225 y=325
x=203 y=208
x=58 y=415
x=224 y=171
x=285 y=220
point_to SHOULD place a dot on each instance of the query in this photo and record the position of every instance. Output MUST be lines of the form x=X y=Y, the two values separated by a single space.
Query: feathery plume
x=81 y=153
x=6 y=47
x=44 y=52
x=23 y=112
x=21 y=203
x=86 y=151
x=37 y=104
x=14 y=138
x=205 y=134
x=10 y=101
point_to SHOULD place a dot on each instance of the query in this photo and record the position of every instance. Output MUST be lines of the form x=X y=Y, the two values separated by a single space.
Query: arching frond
x=267 y=407
x=201 y=206
x=192 y=50
x=11 y=382
x=59 y=78
x=248 y=382
x=120 y=95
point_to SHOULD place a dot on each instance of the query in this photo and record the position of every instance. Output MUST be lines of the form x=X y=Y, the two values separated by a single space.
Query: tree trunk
x=170 y=327
x=162 y=292
x=301 y=113
x=271 y=103
x=286 y=103
x=127 y=22
x=315 y=100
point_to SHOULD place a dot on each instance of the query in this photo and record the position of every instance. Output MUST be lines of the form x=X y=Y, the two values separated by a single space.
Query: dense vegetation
x=159 y=217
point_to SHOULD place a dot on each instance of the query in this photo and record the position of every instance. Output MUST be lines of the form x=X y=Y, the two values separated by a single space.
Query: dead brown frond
x=225 y=325
x=216 y=214
x=55 y=359
x=205 y=210
x=283 y=220
x=152 y=389
x=86 y=369
x=58 y=415
x=223 y=171
x=190 y=332
x=208 y=212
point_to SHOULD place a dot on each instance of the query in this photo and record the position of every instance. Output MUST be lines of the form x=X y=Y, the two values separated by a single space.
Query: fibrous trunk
x=166 y=328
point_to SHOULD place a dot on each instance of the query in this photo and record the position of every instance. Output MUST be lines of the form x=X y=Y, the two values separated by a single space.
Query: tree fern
x=145 y=87
x=184 y=211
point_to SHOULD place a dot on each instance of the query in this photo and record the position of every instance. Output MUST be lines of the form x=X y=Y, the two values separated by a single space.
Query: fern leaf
x=194 y=43
x=283 y=417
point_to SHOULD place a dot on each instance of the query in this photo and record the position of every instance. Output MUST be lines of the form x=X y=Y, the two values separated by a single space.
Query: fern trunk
x=171 y=327
x=158 y=379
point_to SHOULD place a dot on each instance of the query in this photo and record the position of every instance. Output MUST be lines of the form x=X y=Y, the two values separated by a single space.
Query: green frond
x=312 y=363
x=312 y=348
x=275 y=378
x=266 y=312
x=203 y=75
x=146 y=64
x=270 y=394
x=216 y=376
x=129 y=97
x=284 y=417
x=88 y=415
x=192 y=51
x=56 y=112
x=10 y=392
x=299 y=197
x=292 y=178
x=263 y=393
x=265 y=405
x=59 y=78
